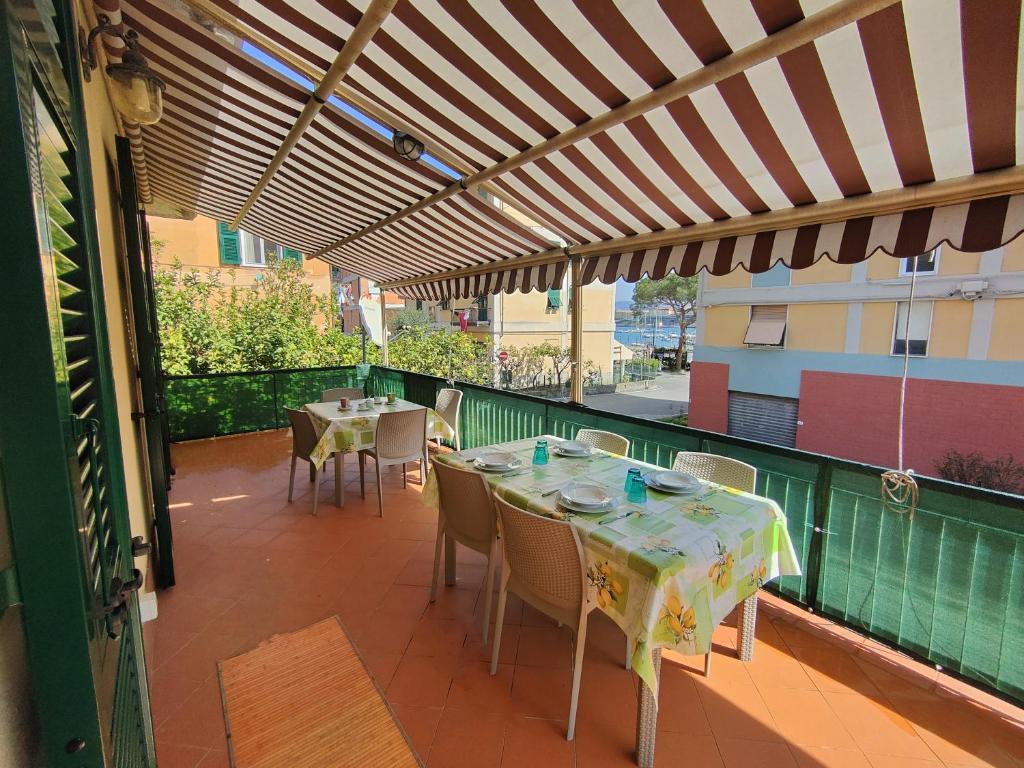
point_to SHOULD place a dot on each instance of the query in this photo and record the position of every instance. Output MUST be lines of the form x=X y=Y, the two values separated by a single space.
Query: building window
x=925 y=264
x=255 y=251
x=917 y=333
x=767 y=326
x=554 y=302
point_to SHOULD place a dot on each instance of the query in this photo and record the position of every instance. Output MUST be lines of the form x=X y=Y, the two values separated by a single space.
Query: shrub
x=1002 y=474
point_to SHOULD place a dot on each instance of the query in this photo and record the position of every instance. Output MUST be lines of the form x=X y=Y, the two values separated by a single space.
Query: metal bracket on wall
x=10 y=595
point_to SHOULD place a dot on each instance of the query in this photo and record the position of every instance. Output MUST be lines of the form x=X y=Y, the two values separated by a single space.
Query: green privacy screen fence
x=229 y=403
x=946 y=585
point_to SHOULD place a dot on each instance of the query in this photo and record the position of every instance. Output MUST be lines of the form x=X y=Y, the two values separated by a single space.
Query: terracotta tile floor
x=249 y=564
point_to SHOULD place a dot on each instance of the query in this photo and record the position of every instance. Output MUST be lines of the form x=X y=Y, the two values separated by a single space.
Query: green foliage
x=409 y=317
x=450 y=354
x=523 y=367
x=678 y=295
x=279 y=322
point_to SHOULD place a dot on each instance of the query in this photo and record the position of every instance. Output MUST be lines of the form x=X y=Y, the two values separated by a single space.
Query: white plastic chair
x=447 y=406
x=543 y=563
x=605 y=441
x=400 y=437
x=466 y=515
x=720 y=470
x=303 y=442
x=333 y=395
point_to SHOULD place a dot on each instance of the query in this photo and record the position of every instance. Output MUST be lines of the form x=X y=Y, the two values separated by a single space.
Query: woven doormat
x=306 y=700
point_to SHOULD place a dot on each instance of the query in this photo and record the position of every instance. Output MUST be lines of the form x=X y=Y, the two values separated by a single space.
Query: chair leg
x=405 y=476
x=380 y=490
x=312 y=473
x=316 y=488
x=291 y=478
x=500 y=620
x=492 y=558
x=707 y=664
x=577 y=673
x=629 y=653
x=437 y=558
x=362 y=476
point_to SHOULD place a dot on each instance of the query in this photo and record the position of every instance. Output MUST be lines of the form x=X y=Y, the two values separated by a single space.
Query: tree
x=442 y=352
x=409 y=317
x=522 y=368
x=678 y=295
x=279 y=322
x=999 y=474
x=561 y=359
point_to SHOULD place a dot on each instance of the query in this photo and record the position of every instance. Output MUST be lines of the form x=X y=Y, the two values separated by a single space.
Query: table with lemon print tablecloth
x=340 y=431
x=349 y=430
x=667 y=571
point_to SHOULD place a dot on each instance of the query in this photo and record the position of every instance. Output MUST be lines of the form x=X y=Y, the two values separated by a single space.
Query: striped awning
x=776 y=107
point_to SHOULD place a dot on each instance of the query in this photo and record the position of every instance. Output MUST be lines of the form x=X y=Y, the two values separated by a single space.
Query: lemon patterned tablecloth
x=352 y=430
x=666 y=571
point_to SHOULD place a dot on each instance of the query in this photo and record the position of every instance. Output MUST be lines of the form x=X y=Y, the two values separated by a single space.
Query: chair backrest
x=333 y=395
x=545 y=562
x=606 y=441
x=303 y=432
x=717 y=469
x=401 y=433
x=447 y=406
x=467 y=506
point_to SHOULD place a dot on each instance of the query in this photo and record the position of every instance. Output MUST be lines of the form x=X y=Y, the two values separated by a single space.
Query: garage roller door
x=762 y=417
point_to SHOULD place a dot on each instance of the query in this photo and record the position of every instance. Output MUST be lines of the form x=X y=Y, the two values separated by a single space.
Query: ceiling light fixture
x=407 y=146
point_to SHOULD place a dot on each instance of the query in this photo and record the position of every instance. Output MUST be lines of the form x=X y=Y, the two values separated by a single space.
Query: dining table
x=353 y=428
x=667 y=570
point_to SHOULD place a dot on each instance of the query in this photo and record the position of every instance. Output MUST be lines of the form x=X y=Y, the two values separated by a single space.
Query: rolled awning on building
x=647 y=136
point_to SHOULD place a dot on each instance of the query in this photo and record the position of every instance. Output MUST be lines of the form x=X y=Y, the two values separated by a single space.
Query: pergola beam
x=801 y=33
x=362 y=33
x=1005 y=181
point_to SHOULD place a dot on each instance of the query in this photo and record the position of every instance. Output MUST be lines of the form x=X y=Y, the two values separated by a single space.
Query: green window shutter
x=228 y=240
x=554 y=301
x=291 y=253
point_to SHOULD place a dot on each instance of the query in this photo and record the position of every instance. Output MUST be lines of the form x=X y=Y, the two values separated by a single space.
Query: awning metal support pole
x=384 y=359
x=575 y=307
x=363 y=32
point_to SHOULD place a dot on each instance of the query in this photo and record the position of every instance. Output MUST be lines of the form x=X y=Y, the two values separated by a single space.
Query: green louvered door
x=102 y=519
x=59 y=430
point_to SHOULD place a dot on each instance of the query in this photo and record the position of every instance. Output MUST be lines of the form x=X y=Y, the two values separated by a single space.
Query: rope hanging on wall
x=899 y=488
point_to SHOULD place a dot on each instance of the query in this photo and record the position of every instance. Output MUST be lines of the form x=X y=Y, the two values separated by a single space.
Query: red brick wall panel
x=709 y=396
x=854 y=416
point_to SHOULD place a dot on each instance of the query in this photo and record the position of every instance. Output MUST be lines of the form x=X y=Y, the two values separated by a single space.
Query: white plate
x=673 y=482
x=587 y=510
x=570 y=447
x=497 y=461
x=560 y=451
x=585 y=495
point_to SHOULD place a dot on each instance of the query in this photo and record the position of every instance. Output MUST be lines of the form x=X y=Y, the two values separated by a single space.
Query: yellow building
x=518 y=320
x=813 y=358
x=205 y=245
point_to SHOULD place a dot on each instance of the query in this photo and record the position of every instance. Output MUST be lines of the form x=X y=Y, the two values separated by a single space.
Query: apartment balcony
x=249 y=565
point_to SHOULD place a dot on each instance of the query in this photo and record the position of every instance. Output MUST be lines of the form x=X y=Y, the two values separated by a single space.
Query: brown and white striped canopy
x=910 y=94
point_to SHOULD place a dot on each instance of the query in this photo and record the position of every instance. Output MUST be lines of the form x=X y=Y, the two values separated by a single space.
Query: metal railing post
x=822 y=499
